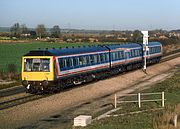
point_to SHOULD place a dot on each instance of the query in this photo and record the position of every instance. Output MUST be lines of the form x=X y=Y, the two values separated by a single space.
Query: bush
x=11 y=68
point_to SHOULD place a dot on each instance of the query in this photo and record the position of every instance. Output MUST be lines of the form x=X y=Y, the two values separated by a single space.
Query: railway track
x=19 y=100
x=170 y=57
x=4 y=104
x=12 y=91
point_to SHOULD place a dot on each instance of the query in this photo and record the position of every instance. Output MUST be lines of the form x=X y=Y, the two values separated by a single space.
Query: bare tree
x=15 y=30
x=23 y=29
x=40 y=30
x=137 y=36
x=55 y=31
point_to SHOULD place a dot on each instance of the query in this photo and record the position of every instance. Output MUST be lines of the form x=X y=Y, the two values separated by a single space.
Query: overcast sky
x=92 y=14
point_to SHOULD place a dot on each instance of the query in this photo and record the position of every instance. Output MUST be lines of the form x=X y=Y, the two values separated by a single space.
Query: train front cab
x=37 y=72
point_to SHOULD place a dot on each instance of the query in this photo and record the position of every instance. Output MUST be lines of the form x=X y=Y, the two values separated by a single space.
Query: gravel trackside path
x=34 y=111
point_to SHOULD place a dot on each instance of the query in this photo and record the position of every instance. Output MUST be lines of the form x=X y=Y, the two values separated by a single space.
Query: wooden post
x=162 y=99
x=115 y=100
x=139 y=100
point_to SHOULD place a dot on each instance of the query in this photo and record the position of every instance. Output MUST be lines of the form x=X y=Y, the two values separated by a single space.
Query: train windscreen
x=36 y=65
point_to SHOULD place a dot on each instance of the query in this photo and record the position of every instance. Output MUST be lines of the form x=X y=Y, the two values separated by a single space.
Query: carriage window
x=130 y=54
x=81 y=60
x=159 y=49
x=136 y=52
x=107 y=56
x=69 y=62
x=84 y=60
x=123 y=54
x=88 y=59
x=95 y=58
x=133 y=53
x=116 y=55
x=140 y=52
x=102 y=57
x=120 y=55
x=113 y=56
x=92 y=59
x=98 y=58
x=75 y=61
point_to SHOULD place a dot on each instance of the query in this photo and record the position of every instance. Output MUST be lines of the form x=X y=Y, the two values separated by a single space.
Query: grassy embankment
x=160 y=119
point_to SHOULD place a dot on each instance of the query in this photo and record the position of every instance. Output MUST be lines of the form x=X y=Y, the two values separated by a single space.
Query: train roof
x=86 y=49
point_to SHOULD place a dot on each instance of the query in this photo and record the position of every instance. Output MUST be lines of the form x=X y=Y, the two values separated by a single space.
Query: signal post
x=145 y=48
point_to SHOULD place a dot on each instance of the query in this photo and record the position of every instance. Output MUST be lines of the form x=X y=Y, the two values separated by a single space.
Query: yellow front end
x=37 y=71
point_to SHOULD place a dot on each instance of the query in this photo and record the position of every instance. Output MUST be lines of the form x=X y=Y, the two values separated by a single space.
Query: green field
x=11 y=53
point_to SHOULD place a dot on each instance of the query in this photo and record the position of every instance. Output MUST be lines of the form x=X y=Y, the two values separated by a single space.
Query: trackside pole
x=115 y=101
x=139 y=100
x=162 y=99
x=175 y=120
x=145 y=47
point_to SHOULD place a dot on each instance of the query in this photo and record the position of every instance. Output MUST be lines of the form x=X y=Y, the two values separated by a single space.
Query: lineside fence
x=139 y=98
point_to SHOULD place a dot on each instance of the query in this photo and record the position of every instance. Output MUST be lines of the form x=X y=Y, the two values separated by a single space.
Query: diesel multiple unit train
x=51 y=69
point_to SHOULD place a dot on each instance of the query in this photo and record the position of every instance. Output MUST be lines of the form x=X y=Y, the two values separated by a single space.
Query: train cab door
x=55 y=68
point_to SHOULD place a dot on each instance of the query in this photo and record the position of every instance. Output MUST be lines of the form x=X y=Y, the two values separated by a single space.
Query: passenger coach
x=51 y=69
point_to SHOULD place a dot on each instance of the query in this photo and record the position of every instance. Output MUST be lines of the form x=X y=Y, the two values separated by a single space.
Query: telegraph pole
x=145 y=47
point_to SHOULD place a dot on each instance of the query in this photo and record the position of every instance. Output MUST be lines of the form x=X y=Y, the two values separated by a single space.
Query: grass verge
x=161 y=119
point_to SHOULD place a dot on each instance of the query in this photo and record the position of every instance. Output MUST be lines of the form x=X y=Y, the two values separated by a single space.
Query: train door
x=147 y=52
x=127 y=55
